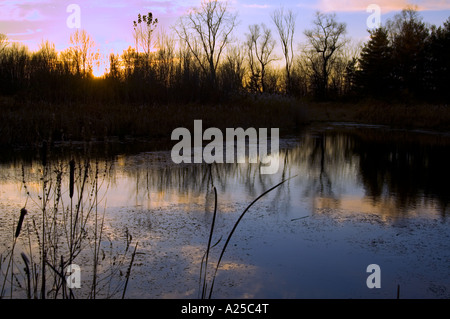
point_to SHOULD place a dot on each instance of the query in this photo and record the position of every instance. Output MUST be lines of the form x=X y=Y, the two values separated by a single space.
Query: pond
x=355 y=196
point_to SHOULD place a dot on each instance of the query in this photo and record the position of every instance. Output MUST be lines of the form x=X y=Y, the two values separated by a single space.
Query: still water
x=359 y=195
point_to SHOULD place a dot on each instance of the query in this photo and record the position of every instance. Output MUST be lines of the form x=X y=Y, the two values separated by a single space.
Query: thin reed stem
x=209 y=242
x=129 y=271
x=234 y=228
x=23 y=212
x=27 y=273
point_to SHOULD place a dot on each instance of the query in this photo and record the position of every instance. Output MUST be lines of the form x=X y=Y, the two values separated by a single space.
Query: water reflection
x=359 y=169
x=390 y=175
x=411 y=172
x=365 y=169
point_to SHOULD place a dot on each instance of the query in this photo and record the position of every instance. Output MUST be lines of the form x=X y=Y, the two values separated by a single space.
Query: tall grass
x=414 y=115
x=62 y=224
x=24 y=123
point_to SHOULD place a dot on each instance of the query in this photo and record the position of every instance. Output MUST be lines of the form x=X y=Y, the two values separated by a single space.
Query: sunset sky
x=109 y=22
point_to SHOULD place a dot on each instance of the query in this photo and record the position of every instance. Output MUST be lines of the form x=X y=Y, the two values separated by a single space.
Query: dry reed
x=204 y=287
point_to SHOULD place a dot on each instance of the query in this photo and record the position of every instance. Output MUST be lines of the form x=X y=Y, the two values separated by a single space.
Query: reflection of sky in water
x=326 y=178
x=312 y=237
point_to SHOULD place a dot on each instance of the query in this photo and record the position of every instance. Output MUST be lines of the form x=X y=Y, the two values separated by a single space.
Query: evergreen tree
x=438 y=62
x=374 y=75
x=409 y=38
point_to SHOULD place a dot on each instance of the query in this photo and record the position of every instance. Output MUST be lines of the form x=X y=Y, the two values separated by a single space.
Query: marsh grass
x=63 y=223
x=413 y=115
x=407 y=116
x=31 y=123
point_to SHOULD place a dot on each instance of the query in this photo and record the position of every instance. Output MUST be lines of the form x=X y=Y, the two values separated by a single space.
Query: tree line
x=406 y=58
x=201 y=62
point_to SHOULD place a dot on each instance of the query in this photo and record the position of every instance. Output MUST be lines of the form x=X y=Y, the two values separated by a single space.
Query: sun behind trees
x=202 y=60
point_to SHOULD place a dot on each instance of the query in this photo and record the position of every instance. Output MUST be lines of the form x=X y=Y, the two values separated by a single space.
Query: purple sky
x=109 y=22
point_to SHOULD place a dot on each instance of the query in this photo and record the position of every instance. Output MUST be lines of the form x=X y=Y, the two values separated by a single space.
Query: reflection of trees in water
x=323 y=161
x=196 y=179
x=410 y=170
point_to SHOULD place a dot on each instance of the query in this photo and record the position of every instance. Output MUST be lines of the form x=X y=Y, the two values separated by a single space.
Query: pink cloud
x=22 y=10
x=385 y=5
x=257 y=6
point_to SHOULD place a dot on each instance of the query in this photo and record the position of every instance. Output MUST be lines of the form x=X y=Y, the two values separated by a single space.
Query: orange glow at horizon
x=110 y=23
x=99 y=73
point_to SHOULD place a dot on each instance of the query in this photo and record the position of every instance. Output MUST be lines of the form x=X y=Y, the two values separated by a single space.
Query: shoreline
x=29 y=124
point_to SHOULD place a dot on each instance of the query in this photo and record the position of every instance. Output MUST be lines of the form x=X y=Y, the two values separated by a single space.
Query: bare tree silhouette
x=325 y=39
x=143 y=28
x=260 y=47
x=207 y=31
x=285 y=23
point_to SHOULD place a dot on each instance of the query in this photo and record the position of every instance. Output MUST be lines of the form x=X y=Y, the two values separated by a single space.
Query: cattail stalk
x=71 y=177
x=23 y=212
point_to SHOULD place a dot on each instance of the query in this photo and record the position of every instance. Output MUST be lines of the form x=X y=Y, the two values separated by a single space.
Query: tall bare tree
x=260 y=45
x=325 y=39
x=143 y=28
x=285 y=23
x=83 y=52
x=207 y=31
